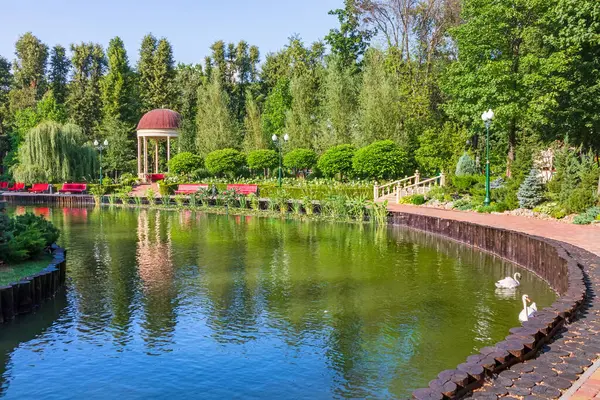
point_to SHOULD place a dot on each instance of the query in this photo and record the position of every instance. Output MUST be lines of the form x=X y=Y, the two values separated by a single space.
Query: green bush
x=300 y=160
x=128 y=179
x=531 y=191
x=337 y=160
x=185 y=163
x=464 y=183
x=466 y=166
x=24 y=236
x=263 y=160
x=552 y=209
x=416 y=199
x=225 y=162
x=166 y=189
x=380 y=160
x=463 y=204
x=580 y=199
x=589 y=216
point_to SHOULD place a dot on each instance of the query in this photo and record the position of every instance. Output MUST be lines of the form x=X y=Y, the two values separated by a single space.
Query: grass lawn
x=15 y=272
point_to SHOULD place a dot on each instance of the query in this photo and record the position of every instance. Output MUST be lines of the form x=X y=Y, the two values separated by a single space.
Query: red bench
x=243 y=189
x=73 y=188
x=155 y=177
x=16 y=187
x=39 y=188
x=190 y=188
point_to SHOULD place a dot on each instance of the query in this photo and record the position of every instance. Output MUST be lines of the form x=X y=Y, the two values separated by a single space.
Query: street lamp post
x=101 y=147
x=487 y=117
x=279 y=144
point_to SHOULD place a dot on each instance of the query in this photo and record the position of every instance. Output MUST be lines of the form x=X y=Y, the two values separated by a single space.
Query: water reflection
x=264 y=307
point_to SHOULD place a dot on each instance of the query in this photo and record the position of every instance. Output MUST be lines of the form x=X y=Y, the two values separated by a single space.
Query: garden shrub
x=24 y=236
x=463 y=183
x=300 y=160
x=263 y=160
x=463 y=204
x=225 y=162
x=466 y=166
x=416 y=199
x=380 y=160
x=337 y=160
x=589 y=216
x=185 y=163
x=553 y=209
x=166 y=188
x=531 y=191
x=128 y=179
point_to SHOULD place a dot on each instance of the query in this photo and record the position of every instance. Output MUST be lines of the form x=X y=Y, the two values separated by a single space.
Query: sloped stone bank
x=506 y=363
x=30 y=292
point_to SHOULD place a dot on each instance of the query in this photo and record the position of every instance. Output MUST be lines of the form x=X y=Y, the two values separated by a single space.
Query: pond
x=193 y=305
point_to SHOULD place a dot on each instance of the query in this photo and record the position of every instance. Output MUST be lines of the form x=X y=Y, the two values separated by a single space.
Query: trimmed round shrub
x=380 y=160
x=337 y=160
x=263 y=160
x=225 y=162
x=300 y=159
x=466 y=166
x=185 y=163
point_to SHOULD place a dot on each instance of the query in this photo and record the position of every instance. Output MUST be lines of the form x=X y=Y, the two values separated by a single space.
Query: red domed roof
x=161 y=118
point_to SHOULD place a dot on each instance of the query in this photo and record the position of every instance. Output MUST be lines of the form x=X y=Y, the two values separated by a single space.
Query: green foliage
x=59 y=73
x=156 y=74
x=25 y=236
x=416 y=199
x=117 y=86
x=225 y=162
x=254 y=137
x=119 y=156
x=439 y=149
x=277 y=104
x=589 y=216
x=54 y=153
x=263 y=160
x=216 y=127
x=185 y=163
x=552 y=209
x=337 y=161
x=380 y=160
x=466 y=166
x=300 y=160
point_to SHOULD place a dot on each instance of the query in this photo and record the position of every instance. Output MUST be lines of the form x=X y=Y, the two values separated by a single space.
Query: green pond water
x=185 y=305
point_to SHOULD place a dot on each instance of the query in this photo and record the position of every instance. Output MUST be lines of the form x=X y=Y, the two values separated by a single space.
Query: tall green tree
x=302 y=118
x=339 y=105
x=120 y=153
x=145 y=67
x=85 y=100
x=506 y=65
x=117 y=86
x=188 y=80
x=59 y=72
x=254 y=137
x=29 y=67
x=579 y=22
x=5 y=85
x=216 y=127
x=29 y=70
x=163 y=85
x=276 y=107
x=350 y=41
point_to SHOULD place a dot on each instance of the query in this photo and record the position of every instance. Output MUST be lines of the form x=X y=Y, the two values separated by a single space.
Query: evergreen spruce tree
x=531 y=191
x=145 y=67
x=466 y=166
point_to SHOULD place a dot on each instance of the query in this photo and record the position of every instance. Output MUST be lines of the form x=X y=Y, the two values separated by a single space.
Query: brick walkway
x=583 y=236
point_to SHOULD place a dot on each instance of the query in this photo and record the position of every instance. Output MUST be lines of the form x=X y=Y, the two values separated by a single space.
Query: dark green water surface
x=186 y=305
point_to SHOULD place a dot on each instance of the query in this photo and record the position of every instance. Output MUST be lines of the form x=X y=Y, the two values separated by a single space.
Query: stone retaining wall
x=546 y=258
x=30 y=292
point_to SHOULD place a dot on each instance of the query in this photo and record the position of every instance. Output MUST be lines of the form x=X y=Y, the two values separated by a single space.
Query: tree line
x=418 y=72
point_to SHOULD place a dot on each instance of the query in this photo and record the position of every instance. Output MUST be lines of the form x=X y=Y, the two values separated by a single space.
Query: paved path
x=584 y=236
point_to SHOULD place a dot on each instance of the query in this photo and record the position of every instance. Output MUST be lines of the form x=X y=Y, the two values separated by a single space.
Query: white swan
x=527 y=312
x=508 y=282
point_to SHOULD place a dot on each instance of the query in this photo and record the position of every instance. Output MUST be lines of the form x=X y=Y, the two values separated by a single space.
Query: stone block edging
x=544 y=257
x=30 y=292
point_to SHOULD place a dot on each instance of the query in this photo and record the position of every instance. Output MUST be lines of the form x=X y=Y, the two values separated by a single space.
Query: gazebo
x=159 y=124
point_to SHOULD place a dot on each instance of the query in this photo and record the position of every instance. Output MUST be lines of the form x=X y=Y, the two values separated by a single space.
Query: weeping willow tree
x=52 y=152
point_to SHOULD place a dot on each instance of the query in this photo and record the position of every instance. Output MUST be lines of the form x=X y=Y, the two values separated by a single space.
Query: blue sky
x=191 y=26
